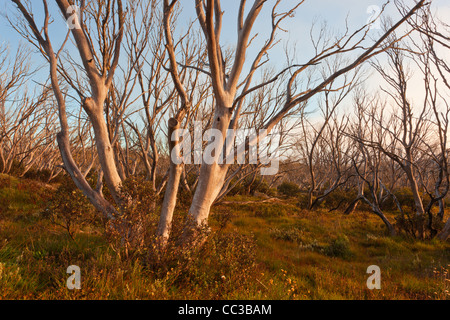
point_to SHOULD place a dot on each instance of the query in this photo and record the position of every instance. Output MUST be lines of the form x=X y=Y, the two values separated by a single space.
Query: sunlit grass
x=257 y=251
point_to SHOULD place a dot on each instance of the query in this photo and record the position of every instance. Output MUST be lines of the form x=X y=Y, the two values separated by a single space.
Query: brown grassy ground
x=256 y=251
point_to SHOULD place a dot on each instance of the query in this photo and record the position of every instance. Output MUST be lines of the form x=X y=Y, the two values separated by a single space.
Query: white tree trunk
x=104 y=148
x=212 y=176
x=210 y=183
x=170 y=196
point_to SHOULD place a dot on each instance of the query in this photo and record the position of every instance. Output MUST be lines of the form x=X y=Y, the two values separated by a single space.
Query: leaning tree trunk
x=387 y=223
x=376 y=209
x=354 y=204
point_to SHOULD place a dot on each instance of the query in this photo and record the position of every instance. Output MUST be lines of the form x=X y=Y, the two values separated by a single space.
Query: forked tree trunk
x=225 y=84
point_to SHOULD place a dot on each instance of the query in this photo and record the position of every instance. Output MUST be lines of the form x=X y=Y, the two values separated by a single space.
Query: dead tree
x=99 y=67
x=435 y=36
x=225 y=81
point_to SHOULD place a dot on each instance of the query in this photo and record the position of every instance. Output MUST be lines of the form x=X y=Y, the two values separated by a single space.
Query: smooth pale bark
x=441 y=209
x=175 y=169
x=95 y=198
x=63 y=140
x=211 y=180
x=170 y=196
x=415 y=191
x=212 y=176
x=104 y=148
x=100 y=82
x=420 y=212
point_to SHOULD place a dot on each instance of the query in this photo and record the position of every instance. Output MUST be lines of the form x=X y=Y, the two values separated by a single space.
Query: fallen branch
x=250 y=202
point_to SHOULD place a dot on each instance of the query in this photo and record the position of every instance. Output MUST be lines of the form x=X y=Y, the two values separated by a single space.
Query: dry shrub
x=70 y=209
x=220 y=264
x=132 y=231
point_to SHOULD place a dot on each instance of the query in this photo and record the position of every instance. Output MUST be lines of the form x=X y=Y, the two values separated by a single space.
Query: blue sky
x=333 y=12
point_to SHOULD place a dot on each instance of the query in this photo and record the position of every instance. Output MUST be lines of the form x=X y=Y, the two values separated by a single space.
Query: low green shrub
x=70 y=209
x=339 y=247
x=289 y=189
